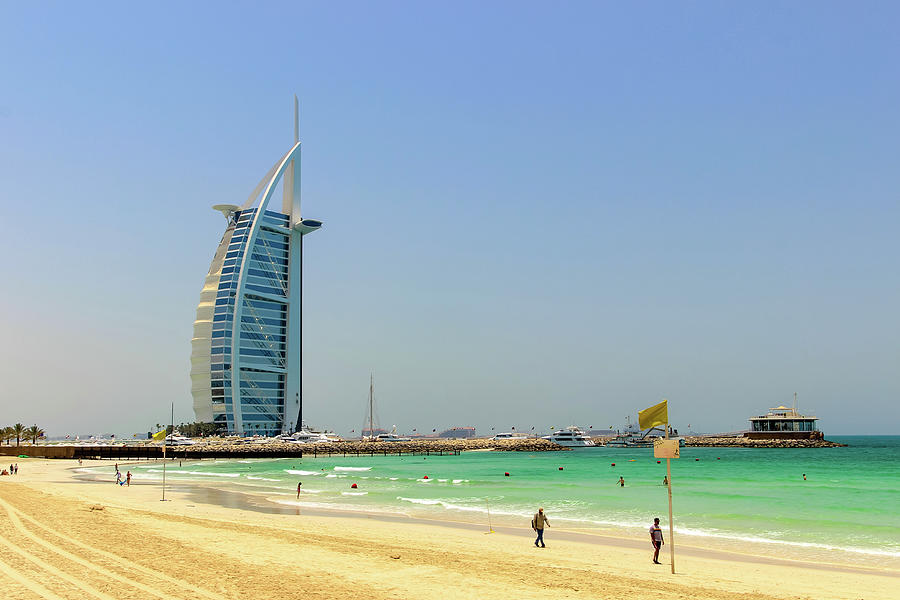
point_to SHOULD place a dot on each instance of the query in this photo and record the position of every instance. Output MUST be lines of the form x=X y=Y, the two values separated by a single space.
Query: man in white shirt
x=656 y=538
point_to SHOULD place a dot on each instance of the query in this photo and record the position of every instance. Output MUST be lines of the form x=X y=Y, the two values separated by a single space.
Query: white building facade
x=247 y=344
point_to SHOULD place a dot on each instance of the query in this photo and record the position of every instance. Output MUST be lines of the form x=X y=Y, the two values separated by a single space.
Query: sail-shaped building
x=247 y=344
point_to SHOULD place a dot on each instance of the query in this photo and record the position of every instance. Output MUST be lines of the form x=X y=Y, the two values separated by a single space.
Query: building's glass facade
x=263 y=328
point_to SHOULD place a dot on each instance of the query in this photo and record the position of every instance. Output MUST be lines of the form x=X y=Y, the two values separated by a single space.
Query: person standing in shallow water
x=656 y=538
x=537 y=523
x=621 y=482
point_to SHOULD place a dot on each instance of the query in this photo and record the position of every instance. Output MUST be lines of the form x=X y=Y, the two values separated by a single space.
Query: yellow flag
x=159 y=435
x=655 y=415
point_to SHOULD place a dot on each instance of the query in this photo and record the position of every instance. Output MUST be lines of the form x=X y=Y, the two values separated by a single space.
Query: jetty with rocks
x=273 y=448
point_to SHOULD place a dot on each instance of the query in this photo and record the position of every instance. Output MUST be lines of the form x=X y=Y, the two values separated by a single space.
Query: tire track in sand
x=53 y=571
x=29 y=584
x=14 y=513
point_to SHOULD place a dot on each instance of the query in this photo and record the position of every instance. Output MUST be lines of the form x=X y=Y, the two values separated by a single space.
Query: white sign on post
x=663 y=448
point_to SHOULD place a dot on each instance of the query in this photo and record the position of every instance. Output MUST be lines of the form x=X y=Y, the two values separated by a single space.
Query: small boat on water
x=305 y=436
x=390 y=437
x=510 y=435
x=179 y=440
x=635 y=438
x=570 y=437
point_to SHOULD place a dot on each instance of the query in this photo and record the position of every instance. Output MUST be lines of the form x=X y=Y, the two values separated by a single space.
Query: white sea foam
x=262 y=478
x=331 y=476
x=354 y=493
x=453 y=506
x=460 y=481
x=207 y=473
x=299 y=472
x=353 y=468
x=423 y=480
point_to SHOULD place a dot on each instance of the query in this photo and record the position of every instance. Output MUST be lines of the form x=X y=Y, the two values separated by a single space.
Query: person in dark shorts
x=298 y=489
x=656 y=538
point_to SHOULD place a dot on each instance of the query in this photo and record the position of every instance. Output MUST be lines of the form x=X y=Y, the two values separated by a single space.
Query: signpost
x=666 y=448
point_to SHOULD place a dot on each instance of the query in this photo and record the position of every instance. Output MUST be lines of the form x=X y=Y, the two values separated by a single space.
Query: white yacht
x=510 y=435
x=570 y=437
x=305 y=436
x=390 y=437
x=179 y=440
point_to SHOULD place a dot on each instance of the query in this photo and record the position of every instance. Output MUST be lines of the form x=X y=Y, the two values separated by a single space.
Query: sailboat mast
x=371 y=405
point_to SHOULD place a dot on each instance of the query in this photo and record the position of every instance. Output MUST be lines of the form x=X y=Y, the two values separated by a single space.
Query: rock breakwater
x=742 y=442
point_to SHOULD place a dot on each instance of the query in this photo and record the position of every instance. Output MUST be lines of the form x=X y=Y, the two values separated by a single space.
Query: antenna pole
x=296 y=119
x=371 y=405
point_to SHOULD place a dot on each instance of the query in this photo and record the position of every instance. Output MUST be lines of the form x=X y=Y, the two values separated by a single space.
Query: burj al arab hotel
x=247 y=344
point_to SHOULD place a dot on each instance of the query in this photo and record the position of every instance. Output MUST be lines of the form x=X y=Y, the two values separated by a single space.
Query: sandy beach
x=62 y=537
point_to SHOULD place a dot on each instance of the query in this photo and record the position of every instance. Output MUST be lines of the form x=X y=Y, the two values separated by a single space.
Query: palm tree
x=6 y=434
x=19 y=430
x=34 y=432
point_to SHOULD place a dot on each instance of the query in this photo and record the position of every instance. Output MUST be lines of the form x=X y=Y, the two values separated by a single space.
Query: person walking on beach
x=621 y=482
x=119 y=477
x=656 y=538
x=537 y=523
x=128 y=478
x=299 y=483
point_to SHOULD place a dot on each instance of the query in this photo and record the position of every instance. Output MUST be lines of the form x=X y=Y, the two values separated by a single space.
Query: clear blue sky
x=535 y=214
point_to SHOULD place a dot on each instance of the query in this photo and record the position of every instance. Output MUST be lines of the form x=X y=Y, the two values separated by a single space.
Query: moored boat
x=570 y=437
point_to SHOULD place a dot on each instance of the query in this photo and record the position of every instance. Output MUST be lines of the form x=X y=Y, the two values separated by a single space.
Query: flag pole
x=671 y=525
x=164 y=470
x=164 y=454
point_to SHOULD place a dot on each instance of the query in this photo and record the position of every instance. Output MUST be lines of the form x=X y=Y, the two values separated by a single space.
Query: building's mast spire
x=296 y=119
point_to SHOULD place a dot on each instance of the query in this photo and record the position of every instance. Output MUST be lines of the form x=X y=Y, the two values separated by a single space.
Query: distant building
x=458 y=432
x=366 y=432
x=600 y=432
x=783 y=423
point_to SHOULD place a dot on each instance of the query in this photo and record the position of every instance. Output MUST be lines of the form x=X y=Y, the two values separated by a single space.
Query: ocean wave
x=354 y=493
x=262 y=478
x=450 y=505
x=207 y=473
x=299 y=472
x=353 y=468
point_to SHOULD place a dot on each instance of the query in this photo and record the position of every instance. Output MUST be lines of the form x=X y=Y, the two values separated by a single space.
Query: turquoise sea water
x=847 y=509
